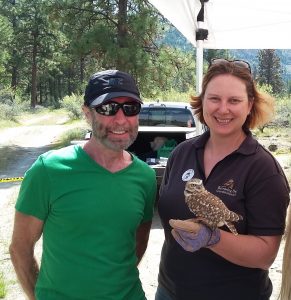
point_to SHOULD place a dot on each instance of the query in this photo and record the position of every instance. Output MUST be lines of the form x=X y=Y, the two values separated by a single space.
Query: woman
x=247 y=178
x=285 y=293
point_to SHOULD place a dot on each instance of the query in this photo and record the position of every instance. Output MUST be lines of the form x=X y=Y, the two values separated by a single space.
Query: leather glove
x=192 y=235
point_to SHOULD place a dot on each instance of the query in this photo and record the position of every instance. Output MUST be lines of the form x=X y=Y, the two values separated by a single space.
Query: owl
x=208 y=208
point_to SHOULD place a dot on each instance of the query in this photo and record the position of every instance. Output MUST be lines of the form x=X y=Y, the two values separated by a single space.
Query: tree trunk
x=33 y=100
x=121 y=35
x=14 y=56
x=40 y=93
x=70 y=88
x=14 y=74
x=82 y=68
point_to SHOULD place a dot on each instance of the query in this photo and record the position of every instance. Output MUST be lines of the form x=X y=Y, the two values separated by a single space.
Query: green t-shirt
x=90 y=220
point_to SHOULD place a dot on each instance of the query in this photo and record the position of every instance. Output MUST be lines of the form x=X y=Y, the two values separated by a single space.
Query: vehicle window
x=166 y=116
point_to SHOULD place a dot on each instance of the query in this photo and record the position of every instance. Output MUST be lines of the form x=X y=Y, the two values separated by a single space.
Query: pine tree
x=210 y=54
x=269 y=70
x=5 y=39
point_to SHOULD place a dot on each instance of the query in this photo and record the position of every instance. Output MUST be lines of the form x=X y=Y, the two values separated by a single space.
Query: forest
x=48 y=50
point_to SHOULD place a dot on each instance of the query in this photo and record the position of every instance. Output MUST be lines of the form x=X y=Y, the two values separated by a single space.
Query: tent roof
x=233 y=24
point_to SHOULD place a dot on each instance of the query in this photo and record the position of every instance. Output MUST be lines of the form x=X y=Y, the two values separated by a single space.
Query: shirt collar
x=249 y=145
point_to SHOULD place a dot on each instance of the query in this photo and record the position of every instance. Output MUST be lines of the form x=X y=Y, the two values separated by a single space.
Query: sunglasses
x=129 y=109
x=237 y=62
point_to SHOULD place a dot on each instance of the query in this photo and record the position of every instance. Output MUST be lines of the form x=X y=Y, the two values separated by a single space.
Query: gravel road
x=19 y=147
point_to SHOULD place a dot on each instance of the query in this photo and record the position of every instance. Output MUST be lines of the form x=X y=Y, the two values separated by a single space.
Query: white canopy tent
x=232 y=24
x=229 y=24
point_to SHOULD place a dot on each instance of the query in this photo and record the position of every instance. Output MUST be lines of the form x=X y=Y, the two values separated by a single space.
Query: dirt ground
x=19 y=147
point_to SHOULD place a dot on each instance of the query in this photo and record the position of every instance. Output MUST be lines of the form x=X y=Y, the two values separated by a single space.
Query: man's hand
x=192 y=235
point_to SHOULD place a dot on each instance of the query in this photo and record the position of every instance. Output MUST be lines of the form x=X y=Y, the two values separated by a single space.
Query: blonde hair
x=285 y=292
x=263 y=104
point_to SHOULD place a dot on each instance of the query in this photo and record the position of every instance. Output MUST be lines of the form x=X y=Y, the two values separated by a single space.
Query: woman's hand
x=192 y=235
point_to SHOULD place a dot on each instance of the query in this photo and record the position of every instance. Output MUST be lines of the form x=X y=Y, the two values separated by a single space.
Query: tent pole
x=201 y=35
x=199 y=66
x=199 y=75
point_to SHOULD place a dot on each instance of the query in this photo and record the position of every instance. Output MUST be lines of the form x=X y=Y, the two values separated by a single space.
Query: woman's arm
x=248 y=250
x=244 y=250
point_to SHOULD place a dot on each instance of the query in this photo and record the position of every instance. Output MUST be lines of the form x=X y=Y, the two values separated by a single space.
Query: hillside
x=175 y=39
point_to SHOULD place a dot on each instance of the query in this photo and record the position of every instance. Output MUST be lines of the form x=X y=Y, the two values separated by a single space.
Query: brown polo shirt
x=250 y=182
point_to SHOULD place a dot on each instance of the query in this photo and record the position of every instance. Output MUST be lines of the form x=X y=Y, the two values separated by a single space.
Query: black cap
x=106 y=85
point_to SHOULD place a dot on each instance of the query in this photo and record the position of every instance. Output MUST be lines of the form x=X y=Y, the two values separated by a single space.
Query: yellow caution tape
x=10 y=179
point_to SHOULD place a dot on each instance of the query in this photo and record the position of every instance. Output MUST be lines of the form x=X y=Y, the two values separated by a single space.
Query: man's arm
x=26 y=232
x=142 y=237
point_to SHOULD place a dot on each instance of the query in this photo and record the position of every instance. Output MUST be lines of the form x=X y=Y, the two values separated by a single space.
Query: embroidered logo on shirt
x=187 y=175
x=227 y=188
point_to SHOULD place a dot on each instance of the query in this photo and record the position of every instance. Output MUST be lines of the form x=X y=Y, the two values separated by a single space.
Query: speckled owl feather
x=208 y=208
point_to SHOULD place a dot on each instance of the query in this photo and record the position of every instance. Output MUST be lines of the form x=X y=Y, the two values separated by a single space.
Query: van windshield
x=166 y=116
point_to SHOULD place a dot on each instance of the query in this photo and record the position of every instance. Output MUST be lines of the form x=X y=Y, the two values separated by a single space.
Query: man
x=92 y=204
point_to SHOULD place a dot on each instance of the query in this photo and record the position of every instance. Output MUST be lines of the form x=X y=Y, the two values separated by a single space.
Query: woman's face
x=226 y=105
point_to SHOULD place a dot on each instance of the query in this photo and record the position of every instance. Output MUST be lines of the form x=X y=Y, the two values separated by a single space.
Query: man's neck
x=111 y=160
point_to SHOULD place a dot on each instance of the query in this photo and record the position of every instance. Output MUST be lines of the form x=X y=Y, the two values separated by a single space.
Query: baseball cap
x=106 y=85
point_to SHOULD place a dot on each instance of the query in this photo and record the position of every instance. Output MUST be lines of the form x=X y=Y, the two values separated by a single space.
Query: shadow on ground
x=15 y=161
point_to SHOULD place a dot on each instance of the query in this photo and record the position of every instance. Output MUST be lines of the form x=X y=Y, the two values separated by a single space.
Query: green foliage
x=209 y=54
x=283 y=112
x=5 y=38
x=9 y=105
x=270 y=70
x=282 y=118
x=171 y=70
x=2 y=286
x=73 y=104
x=8 y=112
x=98 y=40
x=174 y=38
x=6 y=96
x=63 y=42
x=71 y=135
x=172 y=95
x=265 y=88
x=282 y=109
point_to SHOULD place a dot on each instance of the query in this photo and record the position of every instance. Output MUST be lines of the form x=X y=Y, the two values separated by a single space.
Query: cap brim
x=109 y=96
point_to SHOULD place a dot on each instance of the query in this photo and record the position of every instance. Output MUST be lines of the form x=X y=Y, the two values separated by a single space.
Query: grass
x=8 y=123
x=77 y=133
x=280 y=136
x=44 y=116
x=2 y=286
x=273 y=132
x=39 y=116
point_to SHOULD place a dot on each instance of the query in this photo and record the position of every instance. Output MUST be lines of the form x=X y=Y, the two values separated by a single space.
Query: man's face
x=116 y=132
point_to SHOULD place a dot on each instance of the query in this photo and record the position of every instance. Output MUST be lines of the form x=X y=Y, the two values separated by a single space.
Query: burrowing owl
x=208 y=208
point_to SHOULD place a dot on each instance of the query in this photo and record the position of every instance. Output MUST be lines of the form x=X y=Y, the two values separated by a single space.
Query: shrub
x=73 y=134
x=172 y=95
x=8 y=112
x=73 y=104
x=7 y=108
x=283 y=112
x=10 y=105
